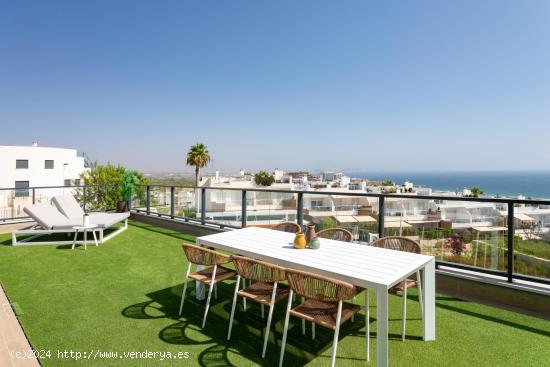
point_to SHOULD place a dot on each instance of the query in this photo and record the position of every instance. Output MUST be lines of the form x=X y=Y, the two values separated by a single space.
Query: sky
x=340 y=85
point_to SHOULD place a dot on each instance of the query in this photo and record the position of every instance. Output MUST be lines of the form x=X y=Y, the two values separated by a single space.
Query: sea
x=531 y=184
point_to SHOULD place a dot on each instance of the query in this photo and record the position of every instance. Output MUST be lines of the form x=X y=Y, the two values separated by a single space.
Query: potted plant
x=126 y=189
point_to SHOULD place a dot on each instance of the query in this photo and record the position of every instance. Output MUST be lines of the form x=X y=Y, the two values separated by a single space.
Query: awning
x=489 y=229
x=523 y=217
x=354 y=219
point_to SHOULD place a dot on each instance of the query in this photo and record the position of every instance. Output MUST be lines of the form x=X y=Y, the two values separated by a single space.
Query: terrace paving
x=15 y=350
x=123 y=296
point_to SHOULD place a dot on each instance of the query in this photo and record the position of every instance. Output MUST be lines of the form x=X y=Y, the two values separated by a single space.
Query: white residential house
x=22 y=167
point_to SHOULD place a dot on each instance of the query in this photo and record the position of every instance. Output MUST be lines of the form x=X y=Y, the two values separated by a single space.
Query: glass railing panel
x=97 y=197
x=186 y=202
x=223 y=206
x=461 y=232
x=160 y=198
x=357 y=214
x=532 y=240
x=264 y=208
x=12 y=203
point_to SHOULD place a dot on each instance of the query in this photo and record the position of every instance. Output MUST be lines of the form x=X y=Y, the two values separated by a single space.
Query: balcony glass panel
x=532 y=240
x=357 y=214
x=462 y=232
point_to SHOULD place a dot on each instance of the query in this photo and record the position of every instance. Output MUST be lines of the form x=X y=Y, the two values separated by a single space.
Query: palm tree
x=199 y=157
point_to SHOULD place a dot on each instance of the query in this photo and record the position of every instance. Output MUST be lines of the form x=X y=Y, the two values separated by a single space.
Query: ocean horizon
x=532 y=184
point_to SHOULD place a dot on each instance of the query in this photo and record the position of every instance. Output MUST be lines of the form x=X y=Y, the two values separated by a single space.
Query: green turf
x=123 y=296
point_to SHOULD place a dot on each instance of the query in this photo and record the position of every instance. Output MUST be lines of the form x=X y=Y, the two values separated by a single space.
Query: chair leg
x=303 y=322
x=215 y=291
x=336 y=332
x=233 y=306
x=312 y=331
x=420 y=300
x=367 y=324
x=262 y=312
x=244 y=298
x=210 y=288
x=184 y=288
x=269 y=316
x=404 y=308
x=285 y=329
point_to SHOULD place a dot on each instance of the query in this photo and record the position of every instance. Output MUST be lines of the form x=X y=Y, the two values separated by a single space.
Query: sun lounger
x=62 y=217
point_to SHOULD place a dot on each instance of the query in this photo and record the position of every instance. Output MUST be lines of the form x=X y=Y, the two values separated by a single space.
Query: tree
x=264 y=178
x=103 y=186
x=198 y=156
x=475 y=192
x=388 y=183
x=128 y=185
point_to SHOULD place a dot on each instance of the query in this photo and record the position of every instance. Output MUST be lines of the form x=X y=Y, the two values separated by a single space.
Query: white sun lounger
x=68 y=213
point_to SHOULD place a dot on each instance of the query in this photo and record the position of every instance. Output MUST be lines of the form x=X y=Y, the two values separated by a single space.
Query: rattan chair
x=407 y=245
x=339 y=234
x=210 y=276
x=289 y=227
x=265 y=288
x=324 y=304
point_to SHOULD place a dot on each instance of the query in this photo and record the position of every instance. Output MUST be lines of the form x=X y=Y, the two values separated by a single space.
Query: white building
x=22 y=167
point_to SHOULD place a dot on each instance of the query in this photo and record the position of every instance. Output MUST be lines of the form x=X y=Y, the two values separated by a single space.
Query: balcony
x=124 y=295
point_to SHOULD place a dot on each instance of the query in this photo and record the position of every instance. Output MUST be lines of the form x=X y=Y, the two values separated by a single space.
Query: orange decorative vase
x=300 y=241
x=310 y=232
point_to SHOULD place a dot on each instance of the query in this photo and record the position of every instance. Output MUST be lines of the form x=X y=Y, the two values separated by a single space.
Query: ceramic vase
x=300 y=241
x=314 y=243
x=310 y=232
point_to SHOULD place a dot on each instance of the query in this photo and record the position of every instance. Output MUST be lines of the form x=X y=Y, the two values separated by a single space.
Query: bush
x=103 y=186
x=264 y=178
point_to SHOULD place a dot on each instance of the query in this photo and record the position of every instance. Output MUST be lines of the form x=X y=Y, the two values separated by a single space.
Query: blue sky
x=353 y=85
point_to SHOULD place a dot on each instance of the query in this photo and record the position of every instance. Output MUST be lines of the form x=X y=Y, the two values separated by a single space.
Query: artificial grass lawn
x=124 y=296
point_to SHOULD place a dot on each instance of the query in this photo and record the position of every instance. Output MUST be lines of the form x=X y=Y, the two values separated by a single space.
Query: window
x=21 y=188
x=67 y=182
x=21 y=163
x=77 y=182
x=48 y=164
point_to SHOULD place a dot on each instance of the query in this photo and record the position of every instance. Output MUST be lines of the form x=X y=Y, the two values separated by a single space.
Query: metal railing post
x=34 y=195
x=243 y=209
x=203 y=205
x=84 y=194
x=510 y=242
x=172 y=202
x=381 y=212
x=300 y=209
x=148 y=201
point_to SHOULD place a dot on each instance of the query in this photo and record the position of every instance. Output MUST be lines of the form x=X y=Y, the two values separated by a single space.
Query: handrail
x=369 y=194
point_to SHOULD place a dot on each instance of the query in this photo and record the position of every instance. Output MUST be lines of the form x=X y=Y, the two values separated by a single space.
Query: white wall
x=67 y=165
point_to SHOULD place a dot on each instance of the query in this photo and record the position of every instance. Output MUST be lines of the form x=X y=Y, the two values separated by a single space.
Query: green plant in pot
x=126 y=189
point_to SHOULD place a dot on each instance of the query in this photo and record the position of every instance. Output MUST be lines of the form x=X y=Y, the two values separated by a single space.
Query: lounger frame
x=37 y=231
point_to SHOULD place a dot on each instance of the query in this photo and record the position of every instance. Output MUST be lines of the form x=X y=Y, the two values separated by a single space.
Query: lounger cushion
x=69 y=207
x=47 y=216
x=106 y=220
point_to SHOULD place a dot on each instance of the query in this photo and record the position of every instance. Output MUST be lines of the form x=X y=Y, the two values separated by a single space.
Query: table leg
x=382 y=327
x=85 y=238
x=95 y=239
x=428 y=297
x=74 y=239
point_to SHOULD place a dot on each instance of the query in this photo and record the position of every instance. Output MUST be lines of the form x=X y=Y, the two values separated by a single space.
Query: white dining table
x=361 y=265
